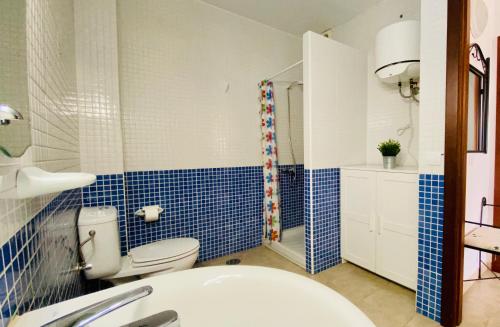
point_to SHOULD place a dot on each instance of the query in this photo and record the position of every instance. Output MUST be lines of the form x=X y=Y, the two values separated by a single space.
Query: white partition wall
x=334 y=135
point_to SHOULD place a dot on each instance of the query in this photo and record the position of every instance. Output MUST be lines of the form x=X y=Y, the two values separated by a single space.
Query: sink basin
x=222 y=296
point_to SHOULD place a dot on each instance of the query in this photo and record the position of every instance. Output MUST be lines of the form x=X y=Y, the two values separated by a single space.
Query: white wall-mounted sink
x=224 y=296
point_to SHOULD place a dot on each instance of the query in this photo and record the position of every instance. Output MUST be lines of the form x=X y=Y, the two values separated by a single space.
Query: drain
x=233 y=262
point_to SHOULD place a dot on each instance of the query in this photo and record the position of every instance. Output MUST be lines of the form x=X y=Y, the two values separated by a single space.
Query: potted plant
x=389 y=150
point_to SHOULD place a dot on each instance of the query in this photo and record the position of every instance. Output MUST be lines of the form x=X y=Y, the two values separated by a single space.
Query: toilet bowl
x=102 y=252
x=161 y=257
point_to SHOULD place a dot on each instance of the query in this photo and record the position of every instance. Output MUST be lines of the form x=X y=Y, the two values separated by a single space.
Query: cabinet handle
x=380 y=225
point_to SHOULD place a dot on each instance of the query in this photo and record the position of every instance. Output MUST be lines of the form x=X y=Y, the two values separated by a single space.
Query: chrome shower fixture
x=7 y=114
x=295 y=83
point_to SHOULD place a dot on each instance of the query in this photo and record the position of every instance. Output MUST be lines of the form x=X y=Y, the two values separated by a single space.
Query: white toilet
x=103 y=250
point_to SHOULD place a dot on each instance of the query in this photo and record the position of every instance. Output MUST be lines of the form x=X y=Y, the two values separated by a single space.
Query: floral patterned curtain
x=270 y=162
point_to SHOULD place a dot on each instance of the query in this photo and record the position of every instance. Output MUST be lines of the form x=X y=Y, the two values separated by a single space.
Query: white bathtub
x=223 y=296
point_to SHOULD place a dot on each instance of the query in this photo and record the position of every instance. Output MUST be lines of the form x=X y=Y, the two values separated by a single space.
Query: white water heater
x=397 y=52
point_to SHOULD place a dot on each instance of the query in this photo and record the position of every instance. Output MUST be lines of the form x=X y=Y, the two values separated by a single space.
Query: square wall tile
x=430 y=245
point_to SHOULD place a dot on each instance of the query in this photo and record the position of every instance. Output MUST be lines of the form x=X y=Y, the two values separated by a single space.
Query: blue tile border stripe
x=307 y=219
x=322 y=206
x=291 y=196
x=40 y=251
x=109 y=190
x=326 y=218
x=221 y=207
x=430 y=245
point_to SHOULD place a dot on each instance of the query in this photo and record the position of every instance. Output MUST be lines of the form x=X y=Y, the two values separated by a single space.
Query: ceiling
x=297 y=16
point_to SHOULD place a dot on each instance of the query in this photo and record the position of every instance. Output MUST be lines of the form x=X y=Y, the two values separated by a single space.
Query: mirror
x=477 y=114
x=15 y=137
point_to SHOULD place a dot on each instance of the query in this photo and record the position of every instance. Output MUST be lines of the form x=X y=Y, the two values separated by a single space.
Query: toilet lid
x=162 y=250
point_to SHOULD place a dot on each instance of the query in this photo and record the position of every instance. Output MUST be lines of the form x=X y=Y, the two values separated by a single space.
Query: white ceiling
x=297 y=16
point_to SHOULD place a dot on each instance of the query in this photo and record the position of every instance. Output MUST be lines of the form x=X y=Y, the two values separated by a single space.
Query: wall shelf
x=20 y=180
x=379 y=168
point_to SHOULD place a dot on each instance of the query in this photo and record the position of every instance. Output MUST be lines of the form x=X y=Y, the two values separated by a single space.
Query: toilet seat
x=158 y=256
x=163 y=251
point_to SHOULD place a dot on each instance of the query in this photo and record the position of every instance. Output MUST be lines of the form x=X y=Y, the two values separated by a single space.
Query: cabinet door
x=358 y=217
x=397 y=227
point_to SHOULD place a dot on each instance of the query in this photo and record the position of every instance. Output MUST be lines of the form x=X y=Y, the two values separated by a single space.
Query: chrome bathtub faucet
x=89 y=314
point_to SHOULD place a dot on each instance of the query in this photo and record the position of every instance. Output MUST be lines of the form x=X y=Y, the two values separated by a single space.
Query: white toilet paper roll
x=151 y=213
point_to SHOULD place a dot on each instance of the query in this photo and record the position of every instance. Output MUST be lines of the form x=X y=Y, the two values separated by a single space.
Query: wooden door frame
x=455 y=165
x=495 y=265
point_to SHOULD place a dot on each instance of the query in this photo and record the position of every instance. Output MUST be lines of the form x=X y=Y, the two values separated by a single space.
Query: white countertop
x=403 y=169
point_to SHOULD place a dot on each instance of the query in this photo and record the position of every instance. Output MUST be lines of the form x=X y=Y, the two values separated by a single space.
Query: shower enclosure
x=289 y=122
x=314 y=120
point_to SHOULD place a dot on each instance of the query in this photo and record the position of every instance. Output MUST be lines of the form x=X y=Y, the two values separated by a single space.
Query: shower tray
x=292 y=245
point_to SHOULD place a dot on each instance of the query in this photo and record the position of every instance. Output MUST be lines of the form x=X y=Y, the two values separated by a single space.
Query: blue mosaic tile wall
x=307 y=218
x=221 y=207
x=109 y=190
x=35 y=261
x=430 y=245
x=326 y=218
x=322 y=203
x=291 y=196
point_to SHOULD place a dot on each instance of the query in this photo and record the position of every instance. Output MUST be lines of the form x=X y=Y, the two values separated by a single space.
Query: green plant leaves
x=389 y=148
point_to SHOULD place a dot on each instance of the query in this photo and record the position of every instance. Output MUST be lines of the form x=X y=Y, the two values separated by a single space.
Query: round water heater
x=397 y=52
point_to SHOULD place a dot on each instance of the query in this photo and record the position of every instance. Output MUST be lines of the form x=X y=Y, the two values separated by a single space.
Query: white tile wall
x=51 y=85
x=386 y=110
x=13 y=215
x=188 y=83
x=335 y=103
x=51 y=93
x=296 y=129
x=13 y=74
x=98 y=89
x=432 y=85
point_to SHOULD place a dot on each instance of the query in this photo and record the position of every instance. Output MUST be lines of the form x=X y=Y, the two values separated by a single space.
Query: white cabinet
x=379 y=222
x=358 y=190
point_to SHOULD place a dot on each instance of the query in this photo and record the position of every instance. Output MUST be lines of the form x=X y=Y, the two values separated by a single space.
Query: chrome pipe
x=88 y=239
x=87 y=315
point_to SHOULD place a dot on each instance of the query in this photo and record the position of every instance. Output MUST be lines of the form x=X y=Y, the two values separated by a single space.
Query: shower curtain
x=270 y=162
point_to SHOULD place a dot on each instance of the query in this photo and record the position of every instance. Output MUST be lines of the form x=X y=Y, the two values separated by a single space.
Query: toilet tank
x=103 y=252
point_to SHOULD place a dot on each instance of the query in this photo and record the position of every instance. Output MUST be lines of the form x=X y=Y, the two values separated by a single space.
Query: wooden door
x=496 y=213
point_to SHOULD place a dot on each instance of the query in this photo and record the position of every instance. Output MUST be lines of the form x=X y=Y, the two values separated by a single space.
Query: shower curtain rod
x=285 y=70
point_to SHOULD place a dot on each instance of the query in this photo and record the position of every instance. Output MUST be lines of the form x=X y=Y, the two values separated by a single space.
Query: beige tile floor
x=387 y=304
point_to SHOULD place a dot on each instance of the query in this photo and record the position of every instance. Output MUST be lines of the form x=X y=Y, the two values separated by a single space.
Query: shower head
x=295 y=83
